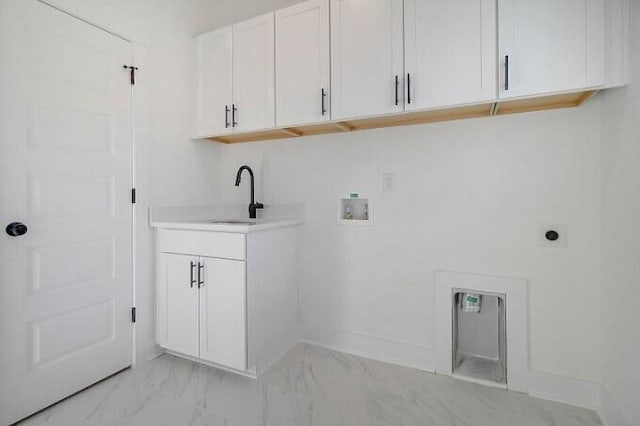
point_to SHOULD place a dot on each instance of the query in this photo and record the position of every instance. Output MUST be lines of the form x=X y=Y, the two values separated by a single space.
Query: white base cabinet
x=223 y=312
x=227 y=299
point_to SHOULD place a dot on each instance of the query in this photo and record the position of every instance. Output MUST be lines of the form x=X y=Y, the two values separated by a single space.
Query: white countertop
x=243 y=225
x=212 y=218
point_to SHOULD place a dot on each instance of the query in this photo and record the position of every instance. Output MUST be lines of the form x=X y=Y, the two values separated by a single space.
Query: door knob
x=15 y=229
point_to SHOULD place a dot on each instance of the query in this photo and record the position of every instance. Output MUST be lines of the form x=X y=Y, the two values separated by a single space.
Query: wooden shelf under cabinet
x=512 y=106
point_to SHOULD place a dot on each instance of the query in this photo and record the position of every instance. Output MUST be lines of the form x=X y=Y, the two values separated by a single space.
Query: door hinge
x=132 y=70
x=133 y=195
x=133 y=314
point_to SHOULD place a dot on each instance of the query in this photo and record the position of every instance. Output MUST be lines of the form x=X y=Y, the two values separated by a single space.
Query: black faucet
x=253 y=206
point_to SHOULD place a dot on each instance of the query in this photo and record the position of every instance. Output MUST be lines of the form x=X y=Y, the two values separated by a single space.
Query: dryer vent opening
x=479 y=336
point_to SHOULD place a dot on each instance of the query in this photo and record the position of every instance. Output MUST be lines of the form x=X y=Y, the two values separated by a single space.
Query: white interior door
x=254 y=73
x=302 y=63
x=177 y=303
x=552 y=46
x=367 y=54
x=223 y=313
x=450 y=52
x=214 y=82
x=66 y=173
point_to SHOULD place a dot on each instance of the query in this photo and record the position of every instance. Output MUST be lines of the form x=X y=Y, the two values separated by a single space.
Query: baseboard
x=568 y=390
x=553 y=387
x=608 y=410
x=372 y=347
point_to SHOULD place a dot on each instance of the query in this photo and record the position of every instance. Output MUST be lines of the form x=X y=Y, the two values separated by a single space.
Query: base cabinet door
x=223 y=318
x=177 y=303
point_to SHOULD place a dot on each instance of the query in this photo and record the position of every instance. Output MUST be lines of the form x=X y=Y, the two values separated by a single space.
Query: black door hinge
x=133 y=314
x=132 y=70
x=133 y=195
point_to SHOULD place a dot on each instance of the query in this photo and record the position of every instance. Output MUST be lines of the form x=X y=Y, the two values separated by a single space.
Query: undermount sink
x=233 y=222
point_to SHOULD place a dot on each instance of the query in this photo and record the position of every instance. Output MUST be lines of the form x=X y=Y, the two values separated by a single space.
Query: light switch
x=388 y=182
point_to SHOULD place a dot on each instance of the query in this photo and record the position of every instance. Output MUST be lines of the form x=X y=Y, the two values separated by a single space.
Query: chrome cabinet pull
x=408 y=88
x=193 y=281
x=226 y=116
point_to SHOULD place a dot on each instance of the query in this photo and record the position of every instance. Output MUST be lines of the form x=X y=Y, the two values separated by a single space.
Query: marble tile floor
x=309 y=386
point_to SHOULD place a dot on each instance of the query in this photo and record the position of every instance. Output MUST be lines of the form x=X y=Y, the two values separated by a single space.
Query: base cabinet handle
x=193 y=280
x=200 y=275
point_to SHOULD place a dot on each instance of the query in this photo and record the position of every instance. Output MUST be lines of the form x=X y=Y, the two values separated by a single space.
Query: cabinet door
x=450 y=52
x=213 y=83
x=223 y=324
x=302 y=63
x=550 y=46
x=254 y=73
x=177 y=303
x=366 y=57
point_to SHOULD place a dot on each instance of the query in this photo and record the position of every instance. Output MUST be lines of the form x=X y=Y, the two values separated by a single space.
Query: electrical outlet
x=388 y=182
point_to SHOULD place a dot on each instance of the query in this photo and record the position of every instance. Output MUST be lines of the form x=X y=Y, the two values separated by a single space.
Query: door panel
x=66 y=172
x=302 y=63
x=450 y=52
x=214 y=82
x=553 y=46
x=223 y=324
x=367 y=53
x=177 y=303
x=254 y=73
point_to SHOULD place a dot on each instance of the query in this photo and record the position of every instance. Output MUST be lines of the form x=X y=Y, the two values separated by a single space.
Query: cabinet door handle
x=408 y=88
x=193 y=280
x=324 y=96
x=226 y=116
x=200 y=274
x=506 y=73
x=234 y=113
x=397 y=87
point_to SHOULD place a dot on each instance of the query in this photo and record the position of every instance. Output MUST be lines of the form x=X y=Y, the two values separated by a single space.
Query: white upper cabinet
x=367 y=58
x=550 y=46
x=214 y=71
x=450 y=52
x=302 y=63
x=253 y=74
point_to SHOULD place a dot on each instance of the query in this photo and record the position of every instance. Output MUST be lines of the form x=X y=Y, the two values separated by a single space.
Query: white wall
x=621 y=270
x=470 y=198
